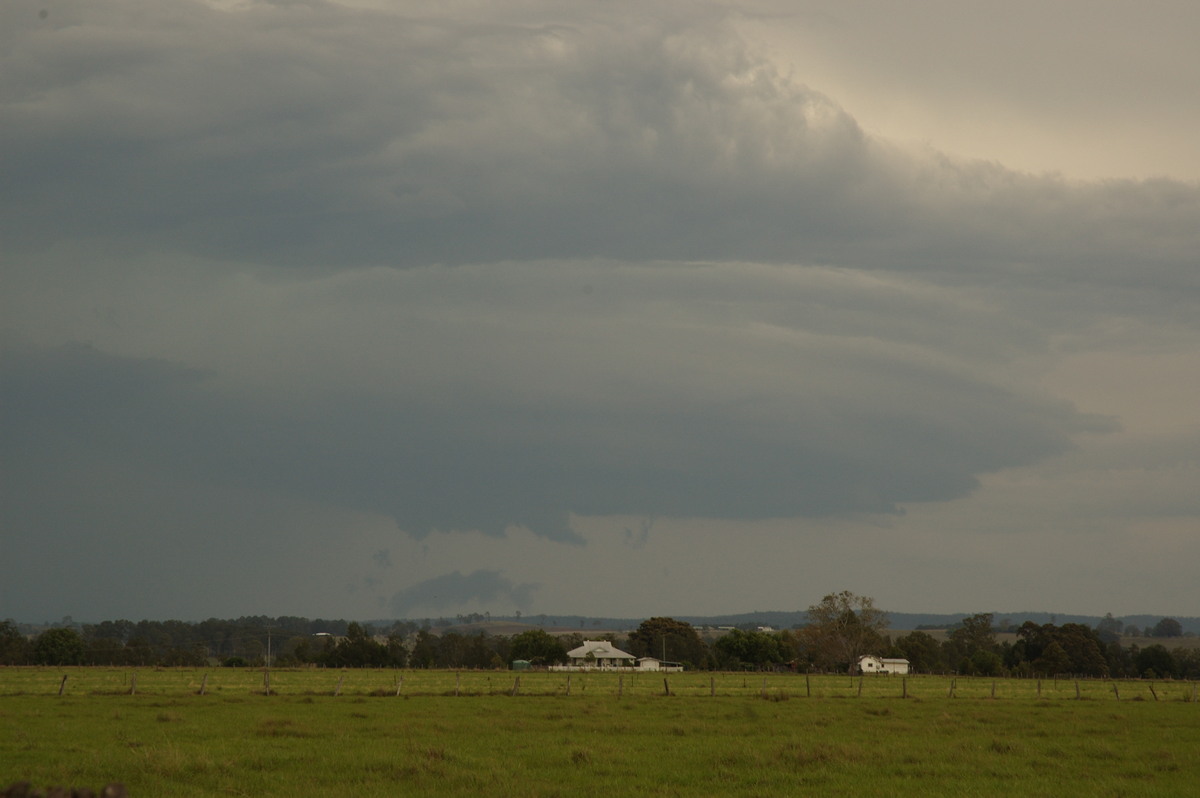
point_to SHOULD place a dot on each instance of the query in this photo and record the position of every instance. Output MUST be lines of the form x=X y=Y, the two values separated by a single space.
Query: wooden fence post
x=62 y=685
x=807 y=687
x=568 y=684
x=904 y=688
x=860 y=681
x=516 y=690
x=1116 y=692
x=1077 y=695
x=203 y=684
x=1039 y=688
x=267 y=682
x=133 y=684
x=399 y=684
x=338 y=690
x=953 y=684
x=666 y=687
x=1152 y=691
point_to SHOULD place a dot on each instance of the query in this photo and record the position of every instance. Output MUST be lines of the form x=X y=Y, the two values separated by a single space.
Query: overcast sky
x=386 y=309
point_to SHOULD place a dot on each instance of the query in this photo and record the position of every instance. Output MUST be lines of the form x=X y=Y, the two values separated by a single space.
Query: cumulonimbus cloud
x=483 y=587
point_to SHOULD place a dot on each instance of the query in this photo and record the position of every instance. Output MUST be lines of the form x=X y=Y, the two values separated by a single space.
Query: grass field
x=722 y=734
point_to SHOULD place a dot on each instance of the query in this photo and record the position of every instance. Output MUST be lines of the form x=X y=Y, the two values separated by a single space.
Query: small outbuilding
x=869 y=663
x=656 y=664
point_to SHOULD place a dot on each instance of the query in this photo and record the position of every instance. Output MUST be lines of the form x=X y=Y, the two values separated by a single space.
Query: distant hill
x=778 y=619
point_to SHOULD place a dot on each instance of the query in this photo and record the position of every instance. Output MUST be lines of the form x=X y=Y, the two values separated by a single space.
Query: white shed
x=869 y=663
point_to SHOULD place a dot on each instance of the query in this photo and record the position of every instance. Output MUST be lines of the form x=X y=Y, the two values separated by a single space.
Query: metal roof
x=600 y=649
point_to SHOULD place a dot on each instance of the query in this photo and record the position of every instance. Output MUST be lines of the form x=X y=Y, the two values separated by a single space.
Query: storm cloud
x=276 y=271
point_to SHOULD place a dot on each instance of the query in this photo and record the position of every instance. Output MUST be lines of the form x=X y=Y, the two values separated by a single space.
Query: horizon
x=1191 y=624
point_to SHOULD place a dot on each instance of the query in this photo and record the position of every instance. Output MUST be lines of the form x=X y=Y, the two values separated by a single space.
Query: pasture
x=441 y=733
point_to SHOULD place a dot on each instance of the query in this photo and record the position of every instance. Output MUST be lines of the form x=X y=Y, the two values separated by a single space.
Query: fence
x=621 y=684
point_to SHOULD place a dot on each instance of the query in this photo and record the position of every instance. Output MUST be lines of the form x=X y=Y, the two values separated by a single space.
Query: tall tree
x=676 y=641
x=14 y=648
x=742 y=650
x=1167 y=627
x=923 y=652
x=1109 y=628
x=975 y=633
x=58 y=646
x=841 y=628
x=538 y=647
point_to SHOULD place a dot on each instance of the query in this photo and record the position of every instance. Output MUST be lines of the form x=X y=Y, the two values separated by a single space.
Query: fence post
x=338 y=690
x=133 y=684
x=1152 y=691
x=516 y=686
x=267 y=682
x=1077 y=695
x=568 y=684
x=1039 y=688
x=62 y=685
x=457 y=683
x=666 y=687
x=203 y=684
x=860 y=681
x=399 y=684
x=807 y=687
x=904 y=688
x=1116 y=692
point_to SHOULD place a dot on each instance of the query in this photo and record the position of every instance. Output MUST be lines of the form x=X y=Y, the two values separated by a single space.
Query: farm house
x=869 y=663
x=597 y=655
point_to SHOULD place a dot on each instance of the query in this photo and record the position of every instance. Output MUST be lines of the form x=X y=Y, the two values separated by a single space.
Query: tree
x=923 y=652
x=749 y=650
x=1155 y=662
x=14 y=648
x=359 y=649
x=537 y=646
x=672 y=640
x=975 y=633
x=58 y=646
x=1109 y=628
x=1054 y=659
x=843 y=627
x=1167 y=627
x=1083 y=646
x=425 y=650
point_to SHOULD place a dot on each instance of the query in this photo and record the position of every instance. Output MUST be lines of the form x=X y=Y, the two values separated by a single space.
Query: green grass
x=167 y=740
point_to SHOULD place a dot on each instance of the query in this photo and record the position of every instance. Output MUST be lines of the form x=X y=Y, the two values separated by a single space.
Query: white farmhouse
x=869 y=663
x=599 y=655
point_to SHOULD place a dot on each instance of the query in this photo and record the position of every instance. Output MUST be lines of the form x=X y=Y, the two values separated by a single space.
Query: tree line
x=841 y=627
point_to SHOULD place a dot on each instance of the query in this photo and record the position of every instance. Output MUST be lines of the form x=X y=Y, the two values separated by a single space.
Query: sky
x=375 y=309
